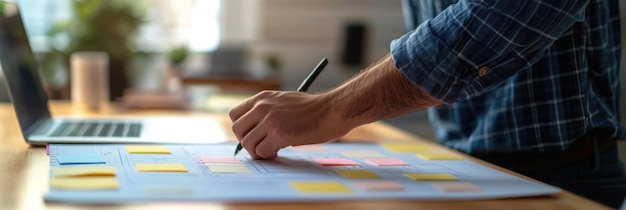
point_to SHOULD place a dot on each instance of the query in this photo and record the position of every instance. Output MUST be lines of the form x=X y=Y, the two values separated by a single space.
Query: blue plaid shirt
x=529 y=75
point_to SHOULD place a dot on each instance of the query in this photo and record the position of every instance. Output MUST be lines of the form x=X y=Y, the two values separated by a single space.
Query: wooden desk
x=24 y=176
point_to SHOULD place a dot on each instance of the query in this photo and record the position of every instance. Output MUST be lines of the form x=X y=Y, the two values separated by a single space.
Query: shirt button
x=483 y=70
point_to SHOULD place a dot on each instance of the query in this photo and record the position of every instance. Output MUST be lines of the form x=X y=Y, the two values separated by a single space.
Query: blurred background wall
x=290 y=35
x=293 y=34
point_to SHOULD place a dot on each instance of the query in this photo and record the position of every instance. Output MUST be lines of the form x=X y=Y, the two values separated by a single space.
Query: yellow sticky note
x=319 y=187
x=84 y=183
x=161 y=167
x=357 y=174
x=405 y=147
x=439 y=156
x=147 y=149
x=83 y=171
x=431 y=177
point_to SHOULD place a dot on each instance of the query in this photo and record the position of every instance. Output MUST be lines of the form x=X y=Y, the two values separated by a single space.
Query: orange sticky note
x=356 y=174
x=319 y=187
x=161 y=167
x=431 y=177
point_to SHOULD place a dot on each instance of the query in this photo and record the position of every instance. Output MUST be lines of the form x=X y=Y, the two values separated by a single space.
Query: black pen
x=304 y=86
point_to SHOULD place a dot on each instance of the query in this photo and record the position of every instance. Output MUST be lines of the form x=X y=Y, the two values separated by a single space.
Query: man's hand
x=272 y=120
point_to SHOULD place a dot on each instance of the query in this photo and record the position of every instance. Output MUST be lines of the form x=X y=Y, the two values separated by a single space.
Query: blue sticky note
x=80 y=159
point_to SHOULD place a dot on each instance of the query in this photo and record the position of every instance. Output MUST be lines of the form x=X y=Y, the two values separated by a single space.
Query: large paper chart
x=101 y=173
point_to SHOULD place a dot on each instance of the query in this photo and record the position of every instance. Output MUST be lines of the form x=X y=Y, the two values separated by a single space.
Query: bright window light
x=204 y=31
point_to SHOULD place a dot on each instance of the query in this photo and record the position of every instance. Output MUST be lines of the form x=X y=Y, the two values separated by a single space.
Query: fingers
x=244 y=118
x=260 y=145
x=241 y=109
x=247 y=125
x=264 y=123
x=244 y=124
x=251 y=140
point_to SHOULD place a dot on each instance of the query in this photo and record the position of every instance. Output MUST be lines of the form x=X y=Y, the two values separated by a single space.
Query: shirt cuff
x=430 y=64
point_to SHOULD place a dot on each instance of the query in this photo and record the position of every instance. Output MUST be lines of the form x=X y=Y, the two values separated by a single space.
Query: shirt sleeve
x=475 y=45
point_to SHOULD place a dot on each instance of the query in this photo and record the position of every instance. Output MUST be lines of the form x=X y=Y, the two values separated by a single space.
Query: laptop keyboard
x=98 y=129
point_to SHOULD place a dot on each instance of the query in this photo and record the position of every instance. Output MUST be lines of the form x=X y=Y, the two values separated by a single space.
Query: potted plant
x=101 y=25
x=174 y=73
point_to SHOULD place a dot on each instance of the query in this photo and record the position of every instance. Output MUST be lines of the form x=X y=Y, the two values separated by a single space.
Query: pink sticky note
x=386 y=162
x=47 y=149
x=335 y=162
x=379 y=185
x=218 y=159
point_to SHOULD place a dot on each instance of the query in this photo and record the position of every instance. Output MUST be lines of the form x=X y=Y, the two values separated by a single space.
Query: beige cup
x=90 y=87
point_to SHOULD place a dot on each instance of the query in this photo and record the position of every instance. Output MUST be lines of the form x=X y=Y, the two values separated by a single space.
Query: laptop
x=39 y=127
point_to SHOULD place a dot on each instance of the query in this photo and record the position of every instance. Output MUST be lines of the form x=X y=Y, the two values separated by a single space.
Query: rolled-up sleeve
x=475 y=45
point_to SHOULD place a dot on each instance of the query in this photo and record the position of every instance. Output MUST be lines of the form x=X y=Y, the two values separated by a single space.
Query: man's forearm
x=379 y=92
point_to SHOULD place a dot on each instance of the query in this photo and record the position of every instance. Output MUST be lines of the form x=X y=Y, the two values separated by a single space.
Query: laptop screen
x=20 y=71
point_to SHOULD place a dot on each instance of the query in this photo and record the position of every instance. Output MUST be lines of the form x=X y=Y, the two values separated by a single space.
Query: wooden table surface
x=24 y=175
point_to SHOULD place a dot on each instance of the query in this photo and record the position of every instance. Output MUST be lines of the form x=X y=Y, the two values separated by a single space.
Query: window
x=169 y=23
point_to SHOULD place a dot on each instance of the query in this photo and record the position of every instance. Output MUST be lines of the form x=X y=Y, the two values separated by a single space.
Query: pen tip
x=239 y=147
